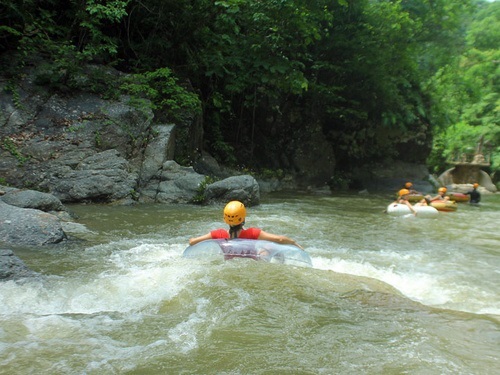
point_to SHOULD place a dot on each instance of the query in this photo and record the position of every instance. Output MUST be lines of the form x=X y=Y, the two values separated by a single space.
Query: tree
x=470 y=91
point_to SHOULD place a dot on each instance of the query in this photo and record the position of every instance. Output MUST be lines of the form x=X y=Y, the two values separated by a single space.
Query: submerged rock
x=12 y=267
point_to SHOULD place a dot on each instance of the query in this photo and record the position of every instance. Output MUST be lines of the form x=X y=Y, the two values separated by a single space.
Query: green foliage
x=162 y=91
x=14 y=91
x=200 y=192
x=271 y=173
x=9 y=145
x=95 y=18
x=340 y=181
x=98 y=138
x=263 y=173
x=468 y=91
x=461 y=141
x=59 y=37
x=372 y=74
x=484 y=31
x=368 y=92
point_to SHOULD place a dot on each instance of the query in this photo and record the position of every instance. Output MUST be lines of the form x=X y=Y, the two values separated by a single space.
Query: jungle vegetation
x=412 y=80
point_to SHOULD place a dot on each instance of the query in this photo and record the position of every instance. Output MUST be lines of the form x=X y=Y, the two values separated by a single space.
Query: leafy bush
x=200 y=192
x=161 y=88
x=462 y=140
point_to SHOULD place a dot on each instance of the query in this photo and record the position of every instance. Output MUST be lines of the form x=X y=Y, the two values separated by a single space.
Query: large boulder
x=449 y=178
x=161 y=179
x=27 y=226
x=104 y=177
x=176 y=184
x=242 y=188
x=32 y=199
x=158 y=150
x=207 y=165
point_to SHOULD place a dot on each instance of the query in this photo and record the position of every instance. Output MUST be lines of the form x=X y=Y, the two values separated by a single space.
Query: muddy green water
x=385 y=295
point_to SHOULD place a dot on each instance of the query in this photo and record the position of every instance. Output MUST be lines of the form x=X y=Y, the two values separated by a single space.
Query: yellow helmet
x=235 y=213
x=442 y=190
x=475 y=185
x=403 y=192
x=408 y=185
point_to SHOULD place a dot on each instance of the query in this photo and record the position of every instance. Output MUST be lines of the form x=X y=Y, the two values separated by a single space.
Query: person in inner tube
x=403 y=199
x=234 y=215
x=409 y=187
x=423 y=202
x=440 y=196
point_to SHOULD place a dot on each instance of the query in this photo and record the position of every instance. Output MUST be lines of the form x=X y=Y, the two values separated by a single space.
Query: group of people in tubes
x=235 y=213
x=403 y=196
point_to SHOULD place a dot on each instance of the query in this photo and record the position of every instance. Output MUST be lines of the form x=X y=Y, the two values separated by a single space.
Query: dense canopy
x=379 y=79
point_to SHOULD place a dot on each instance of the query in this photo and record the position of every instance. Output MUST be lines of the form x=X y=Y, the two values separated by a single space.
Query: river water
x=385 y=295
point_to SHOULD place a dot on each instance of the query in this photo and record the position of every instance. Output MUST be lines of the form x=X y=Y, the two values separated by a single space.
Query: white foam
x=139 y=278
x=184 y=334
x=430 y=289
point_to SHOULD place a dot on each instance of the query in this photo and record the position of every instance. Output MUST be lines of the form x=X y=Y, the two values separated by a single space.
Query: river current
x=385 y=295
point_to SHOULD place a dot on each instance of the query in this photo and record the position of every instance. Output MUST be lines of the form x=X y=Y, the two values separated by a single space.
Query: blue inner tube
x=252 y=249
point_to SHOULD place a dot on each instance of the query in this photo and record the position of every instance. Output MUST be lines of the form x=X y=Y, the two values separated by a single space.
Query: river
x=385 y=295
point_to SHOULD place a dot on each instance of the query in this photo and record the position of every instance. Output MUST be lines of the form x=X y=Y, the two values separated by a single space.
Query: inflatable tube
x=459 y=197
x=414 y=198
x=446 y=206
x=252 y=249
x=396 y=209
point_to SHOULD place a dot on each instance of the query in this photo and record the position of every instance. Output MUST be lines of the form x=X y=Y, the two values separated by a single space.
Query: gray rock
x=207 y=165
x=56 y=143
x=177 y=184
x=12 y=267
x=27 y=226
x=447 y=178
x=158 y=150
x=32 y=199
x=102 y=161
x=101 y=177
x=243 y=188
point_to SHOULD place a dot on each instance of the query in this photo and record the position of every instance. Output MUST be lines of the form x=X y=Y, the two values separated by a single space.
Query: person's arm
x=411 y=208
x=195 y=240
x=277 y=238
